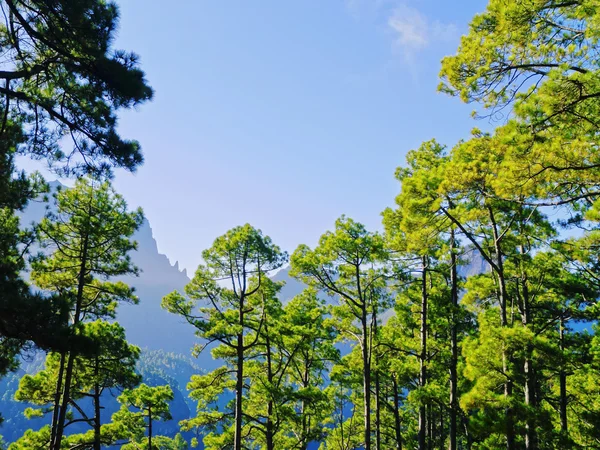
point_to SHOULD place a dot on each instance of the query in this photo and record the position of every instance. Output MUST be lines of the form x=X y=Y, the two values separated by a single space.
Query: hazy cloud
x=414 y=32
x=410 y=31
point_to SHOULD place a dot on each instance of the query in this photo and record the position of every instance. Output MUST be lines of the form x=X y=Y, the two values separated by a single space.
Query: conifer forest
x=467 y=321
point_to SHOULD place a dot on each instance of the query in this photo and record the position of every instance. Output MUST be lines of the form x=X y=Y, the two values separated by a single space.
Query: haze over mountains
x=151 y=327
x=166 y=339
x=147 y=324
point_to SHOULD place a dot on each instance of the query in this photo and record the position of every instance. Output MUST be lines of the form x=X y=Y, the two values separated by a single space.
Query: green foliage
x=413 y=350
x=112 y=367
x=25 y=317
x=66 y=80
x=141 y=407
x=152 y=402
x=61 y=80
x=231 y=314
x=86 y=243
x=350 y=262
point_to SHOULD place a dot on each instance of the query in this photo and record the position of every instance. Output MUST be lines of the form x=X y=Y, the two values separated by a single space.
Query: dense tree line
x=393 y=344
x=503 y=358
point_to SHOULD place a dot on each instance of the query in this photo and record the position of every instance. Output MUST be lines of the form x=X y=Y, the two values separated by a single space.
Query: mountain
x=147 y=324
x=166 y=339
x=291 y=288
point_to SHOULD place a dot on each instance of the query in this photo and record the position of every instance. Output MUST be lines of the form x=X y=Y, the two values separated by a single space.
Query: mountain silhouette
x=148 y=325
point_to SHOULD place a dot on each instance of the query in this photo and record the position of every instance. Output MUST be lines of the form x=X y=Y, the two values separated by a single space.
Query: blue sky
x=283 y=114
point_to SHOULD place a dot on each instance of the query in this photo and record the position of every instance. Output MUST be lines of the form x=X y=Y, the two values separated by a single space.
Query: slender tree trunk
x=377 y=411
x=529 y=388
x=469 y=440
x=431 y=427
x=503 y=297
x=60 y=426
x=453 y=343
x=366 y=359
x=269 y=435
x=366 y=377
x=423 y=358
x=97 y=422
x=397 y=424
x=269 y=425
x=377 y=392
x=442 y=431
x=564 y=428
x=303 y=439
x=66 y=397
x=150 y=428
x=57 y=395
x=239 y=385
x=305 y=422
x=341 y=421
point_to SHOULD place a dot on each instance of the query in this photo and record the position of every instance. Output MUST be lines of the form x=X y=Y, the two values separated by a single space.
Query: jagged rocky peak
x=179 y=269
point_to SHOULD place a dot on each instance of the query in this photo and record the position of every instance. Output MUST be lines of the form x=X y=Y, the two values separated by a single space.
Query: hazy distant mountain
x=154 y=329
x=147 y=324
x=166 y=340
x=291 y=288
x=474 y=264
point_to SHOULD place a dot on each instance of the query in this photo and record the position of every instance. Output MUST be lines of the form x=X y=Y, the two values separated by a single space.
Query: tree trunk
x=239 y=388
x=303 y=439
x=397 y=423
x=453 y=343
x=468 y=438
x=269 y=425
x=432 y=429
x=366 y=377
x=529 y=388
x=442 y=433
x=341 y=418
x=149 y=428
x=503 y=298
x=377 y=411
x=377 y=393
x=57 y=396
x=269 y=434
x=423 y=357
x=564 y=428
x=97 y=422
x=305 y=422
x=60 y=425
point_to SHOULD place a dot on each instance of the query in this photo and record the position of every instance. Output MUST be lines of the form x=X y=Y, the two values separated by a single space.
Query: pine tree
x=69 y=82
x=230 y=316
x=86 y=243
x=350 y=263
x=286 y=405
x=61 y=80
x=149 y=405
x=307 y=340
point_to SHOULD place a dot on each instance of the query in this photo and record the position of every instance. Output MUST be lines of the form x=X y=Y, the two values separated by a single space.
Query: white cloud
x=414 y=32
x=411 y=28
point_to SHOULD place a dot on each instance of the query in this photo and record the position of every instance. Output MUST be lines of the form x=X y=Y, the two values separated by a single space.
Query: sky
x=282 y=114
